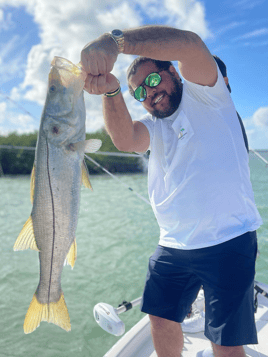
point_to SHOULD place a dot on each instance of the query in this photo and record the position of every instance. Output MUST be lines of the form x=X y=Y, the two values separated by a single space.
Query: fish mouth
x=63 y=63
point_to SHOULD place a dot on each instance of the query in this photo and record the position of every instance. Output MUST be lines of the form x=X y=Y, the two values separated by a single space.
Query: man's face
x=163 y=100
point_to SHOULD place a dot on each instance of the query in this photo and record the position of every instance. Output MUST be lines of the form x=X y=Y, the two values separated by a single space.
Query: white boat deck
x=138 y=342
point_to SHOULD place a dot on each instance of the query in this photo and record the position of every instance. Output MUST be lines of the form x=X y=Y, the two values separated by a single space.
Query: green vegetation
x=20 y=161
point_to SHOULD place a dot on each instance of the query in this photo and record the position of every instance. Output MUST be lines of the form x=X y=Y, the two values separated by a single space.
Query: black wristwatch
x=118 y=37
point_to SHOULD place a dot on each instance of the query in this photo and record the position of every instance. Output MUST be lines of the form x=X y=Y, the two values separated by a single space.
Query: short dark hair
x=132 y=69
x=222 y=68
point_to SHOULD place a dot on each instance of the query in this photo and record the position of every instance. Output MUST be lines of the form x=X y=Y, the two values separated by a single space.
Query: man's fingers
x=101 y=84
x=95 y=84
x=95 y=64
x=98 y=57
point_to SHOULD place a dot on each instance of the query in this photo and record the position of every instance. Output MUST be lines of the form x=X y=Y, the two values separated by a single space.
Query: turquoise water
x=116 y=234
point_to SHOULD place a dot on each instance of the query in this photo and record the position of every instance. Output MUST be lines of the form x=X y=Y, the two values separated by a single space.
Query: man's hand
x=101 y=84
x=98 y=57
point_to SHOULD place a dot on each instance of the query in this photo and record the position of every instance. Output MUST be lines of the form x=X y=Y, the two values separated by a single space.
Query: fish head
x=64 y=111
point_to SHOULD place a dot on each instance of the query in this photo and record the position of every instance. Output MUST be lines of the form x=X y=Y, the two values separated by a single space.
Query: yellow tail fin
x=55 y=312
x=26 y=238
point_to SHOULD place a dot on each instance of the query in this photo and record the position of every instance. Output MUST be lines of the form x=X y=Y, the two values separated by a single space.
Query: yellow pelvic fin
x=72 y=255
x=32 y=185
x=85 y=176
x=26 y=238
x=55 y=312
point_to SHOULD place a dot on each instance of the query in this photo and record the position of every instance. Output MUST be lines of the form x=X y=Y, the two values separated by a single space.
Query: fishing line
x=117 y=179
x=259 y=156
x=10 y=147
x=17 y=104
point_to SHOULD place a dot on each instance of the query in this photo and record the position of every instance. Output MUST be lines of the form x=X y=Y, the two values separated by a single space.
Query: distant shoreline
x=18 y=152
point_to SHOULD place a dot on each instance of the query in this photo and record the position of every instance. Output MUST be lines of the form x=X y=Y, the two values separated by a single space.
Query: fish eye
x=52 y=89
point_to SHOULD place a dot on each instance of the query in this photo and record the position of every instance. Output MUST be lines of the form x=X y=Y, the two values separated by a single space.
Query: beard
x=174 y=101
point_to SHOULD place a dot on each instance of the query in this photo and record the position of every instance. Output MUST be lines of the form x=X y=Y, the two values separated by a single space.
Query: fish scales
x=58 y=212
x=55 y=190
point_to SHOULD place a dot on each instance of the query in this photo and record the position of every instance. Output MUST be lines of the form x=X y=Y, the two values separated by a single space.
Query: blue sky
x=32 y=32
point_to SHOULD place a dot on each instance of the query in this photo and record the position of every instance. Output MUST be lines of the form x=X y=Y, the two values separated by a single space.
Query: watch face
x=117 y=33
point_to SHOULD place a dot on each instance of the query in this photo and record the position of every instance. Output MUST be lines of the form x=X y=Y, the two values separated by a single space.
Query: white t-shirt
x=198 y=176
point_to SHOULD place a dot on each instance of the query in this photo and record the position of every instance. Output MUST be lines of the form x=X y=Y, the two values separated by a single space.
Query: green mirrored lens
x=152 y=80
x=140 y=94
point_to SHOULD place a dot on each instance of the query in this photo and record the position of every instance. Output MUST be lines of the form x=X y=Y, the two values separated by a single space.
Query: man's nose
x=150 y=91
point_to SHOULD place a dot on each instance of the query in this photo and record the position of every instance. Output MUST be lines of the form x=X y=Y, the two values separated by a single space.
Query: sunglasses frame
x=144 y=83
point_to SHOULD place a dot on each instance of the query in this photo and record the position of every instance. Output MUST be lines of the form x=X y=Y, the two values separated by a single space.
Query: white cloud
x=257 y=138
x=28 y=4
x=3 y=107
x=231 y=26
x=257 y=129
x=260 y=117
x=12 y=121
x=252 y=34
x=6 y=22
x=122 y=16
x=186 y=15
x=12 y=66
x=190 y=15
x=23 y=123
x=247 y=4
x=66 y=26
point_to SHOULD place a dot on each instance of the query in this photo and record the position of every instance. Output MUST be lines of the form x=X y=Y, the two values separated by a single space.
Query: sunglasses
x=152 y=80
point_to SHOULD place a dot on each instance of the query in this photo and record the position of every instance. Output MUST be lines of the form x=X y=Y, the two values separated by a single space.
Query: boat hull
x=137 y=342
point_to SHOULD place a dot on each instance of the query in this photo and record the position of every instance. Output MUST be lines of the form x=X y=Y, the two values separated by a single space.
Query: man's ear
x=173 y=70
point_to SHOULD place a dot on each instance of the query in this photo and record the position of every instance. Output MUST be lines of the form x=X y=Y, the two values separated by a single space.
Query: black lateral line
x=53 y=215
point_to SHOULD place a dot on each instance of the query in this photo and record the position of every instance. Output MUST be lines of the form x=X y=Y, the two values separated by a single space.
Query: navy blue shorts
x=226 y=272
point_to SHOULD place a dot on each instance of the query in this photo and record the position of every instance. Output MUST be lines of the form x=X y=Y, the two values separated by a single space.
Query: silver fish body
x=56 y=183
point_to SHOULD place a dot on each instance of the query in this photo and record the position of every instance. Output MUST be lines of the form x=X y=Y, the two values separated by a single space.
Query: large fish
x=56 y=179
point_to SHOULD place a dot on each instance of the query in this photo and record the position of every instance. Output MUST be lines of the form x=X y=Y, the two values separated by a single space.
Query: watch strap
x=120 y=42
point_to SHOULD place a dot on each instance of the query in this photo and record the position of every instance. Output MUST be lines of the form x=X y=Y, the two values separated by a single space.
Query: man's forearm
x=117 y=121
x=160 y=42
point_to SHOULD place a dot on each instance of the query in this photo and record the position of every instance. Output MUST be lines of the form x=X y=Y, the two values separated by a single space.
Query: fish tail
x=54 y=312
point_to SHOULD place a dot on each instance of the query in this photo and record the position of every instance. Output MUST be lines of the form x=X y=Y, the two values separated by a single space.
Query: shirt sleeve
x=216 y=96
x=148 y=121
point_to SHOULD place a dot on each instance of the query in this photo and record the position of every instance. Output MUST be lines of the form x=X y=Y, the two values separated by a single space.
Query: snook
x=57 y=174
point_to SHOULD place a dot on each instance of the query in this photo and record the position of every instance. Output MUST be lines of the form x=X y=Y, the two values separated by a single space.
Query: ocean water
x=116 y=234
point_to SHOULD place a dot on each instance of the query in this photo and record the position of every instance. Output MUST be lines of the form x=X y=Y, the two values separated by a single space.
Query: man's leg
x=167 y=337
x=224 y=351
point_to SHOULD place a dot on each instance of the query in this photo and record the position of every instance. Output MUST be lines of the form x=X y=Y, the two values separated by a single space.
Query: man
x=196 y=320
x=198 y=179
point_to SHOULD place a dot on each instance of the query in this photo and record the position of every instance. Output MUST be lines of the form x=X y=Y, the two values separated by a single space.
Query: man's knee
x=160 y=323
x=157 y=322
x=167 y=336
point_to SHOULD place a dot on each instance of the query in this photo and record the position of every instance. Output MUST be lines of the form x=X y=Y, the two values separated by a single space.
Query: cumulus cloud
x=10 y=66
x=189 y=15
x=3 y=107
x=65 y=29
x=257 y=128
x=22 y=123
x=260 y=117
